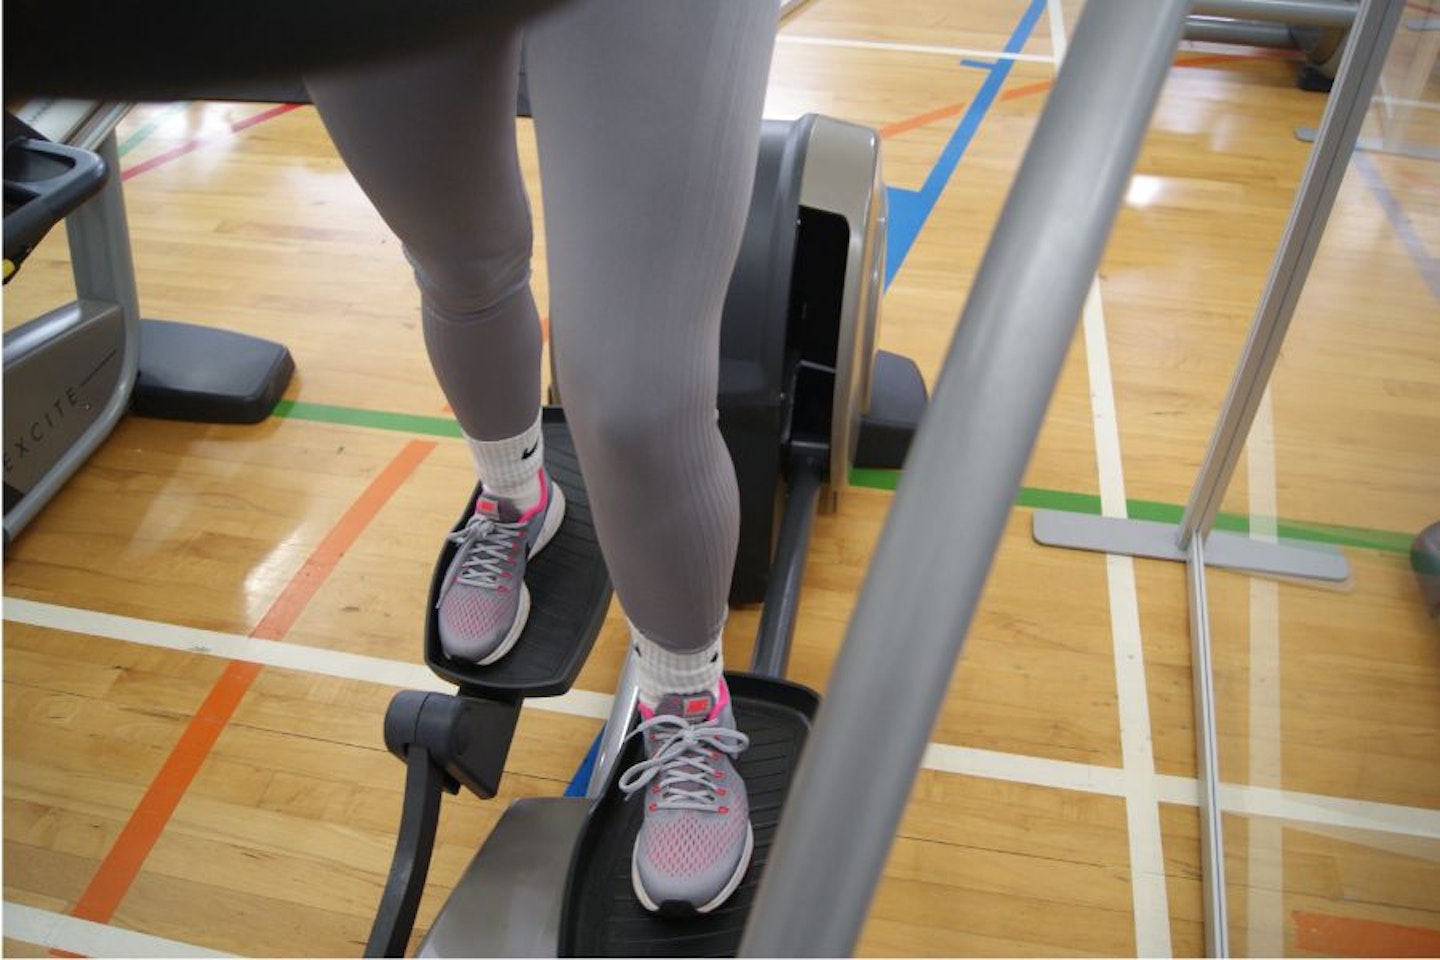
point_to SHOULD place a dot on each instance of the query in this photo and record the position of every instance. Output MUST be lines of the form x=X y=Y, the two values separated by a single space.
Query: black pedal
x=603 y=918
x=569 y=594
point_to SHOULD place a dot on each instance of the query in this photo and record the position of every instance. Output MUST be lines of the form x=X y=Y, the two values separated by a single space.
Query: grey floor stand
x=1377 y=145
x=1193 y=540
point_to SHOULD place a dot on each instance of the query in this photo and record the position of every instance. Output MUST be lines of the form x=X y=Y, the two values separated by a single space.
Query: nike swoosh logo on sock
x=531 y=452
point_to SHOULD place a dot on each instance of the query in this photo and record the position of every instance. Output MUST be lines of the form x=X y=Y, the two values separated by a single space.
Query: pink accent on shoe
x=486 y=505
x=722 y=700
x=539 y=508
x=646 y=713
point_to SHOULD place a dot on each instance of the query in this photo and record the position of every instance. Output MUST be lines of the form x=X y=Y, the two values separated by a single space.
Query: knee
x=471 y=283
x=634 y=419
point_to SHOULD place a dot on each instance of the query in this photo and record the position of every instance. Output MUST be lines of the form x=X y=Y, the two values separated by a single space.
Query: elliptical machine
x=804 y=397
x=74 y=371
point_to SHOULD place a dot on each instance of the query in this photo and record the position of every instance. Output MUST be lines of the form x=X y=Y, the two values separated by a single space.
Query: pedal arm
x=395 y=919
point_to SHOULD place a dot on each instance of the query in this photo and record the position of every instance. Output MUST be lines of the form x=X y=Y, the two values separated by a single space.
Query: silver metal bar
x=1310 y=13
x=1344 y=113
x=1249 y=33
x=936 y=550
x=1207 y=757
x=612 y=738
x=99 y=234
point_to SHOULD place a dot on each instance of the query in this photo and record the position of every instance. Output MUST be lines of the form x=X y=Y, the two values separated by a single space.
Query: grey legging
x=647 y=115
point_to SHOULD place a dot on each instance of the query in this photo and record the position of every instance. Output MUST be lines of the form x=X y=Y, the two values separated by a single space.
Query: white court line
x=888 y=47
x=289 y=656
x=1148 y=886
x=1401 y=845
x=1302 y=808
x=1265 y=912
x=44 y=928
x=1150 y=900
x=1307 y=809
x=1412 y=104
x=1019 y=768
x=1059 y=43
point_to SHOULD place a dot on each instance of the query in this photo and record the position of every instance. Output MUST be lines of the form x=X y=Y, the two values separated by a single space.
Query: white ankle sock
x=510 y=468
x=659 y=671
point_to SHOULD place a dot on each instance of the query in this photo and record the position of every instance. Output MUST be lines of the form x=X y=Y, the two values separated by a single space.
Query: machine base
x=205 y=375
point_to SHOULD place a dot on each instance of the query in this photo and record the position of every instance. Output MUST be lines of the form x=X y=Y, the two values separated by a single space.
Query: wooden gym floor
x=203 y=629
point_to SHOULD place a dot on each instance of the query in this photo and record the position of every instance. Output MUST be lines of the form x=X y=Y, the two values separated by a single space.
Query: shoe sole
x=670 y=906
x=553 y=518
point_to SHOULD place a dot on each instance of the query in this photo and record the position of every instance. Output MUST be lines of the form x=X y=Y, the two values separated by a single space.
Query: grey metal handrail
x=960 y=483
x=1314 y=13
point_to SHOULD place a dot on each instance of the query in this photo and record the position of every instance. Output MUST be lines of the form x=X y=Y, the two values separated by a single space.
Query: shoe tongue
x=497 y=508
x=690 y=706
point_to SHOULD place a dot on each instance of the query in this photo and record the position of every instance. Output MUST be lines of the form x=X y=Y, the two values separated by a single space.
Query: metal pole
x=960 y=484
x=782 y=598
x=1309 y=13
x=1344 y=114
x=617 y=728
x=99 y=235
x=1207 y=762
x=1250 y=33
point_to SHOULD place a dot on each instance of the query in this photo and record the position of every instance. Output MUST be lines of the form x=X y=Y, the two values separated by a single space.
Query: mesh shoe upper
x=483 y=602
x=696 y=840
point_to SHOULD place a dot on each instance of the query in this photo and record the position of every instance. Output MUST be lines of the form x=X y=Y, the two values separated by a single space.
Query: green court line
x=1033 y=497
x=376 y=420
x=143 y=133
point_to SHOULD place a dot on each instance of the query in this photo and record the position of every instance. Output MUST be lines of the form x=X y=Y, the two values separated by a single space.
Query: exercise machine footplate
x=602 y=916
x=569 y=594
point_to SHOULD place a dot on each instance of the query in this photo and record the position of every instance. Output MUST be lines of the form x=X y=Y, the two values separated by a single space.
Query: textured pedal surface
x=569 y=594
x=603 y=918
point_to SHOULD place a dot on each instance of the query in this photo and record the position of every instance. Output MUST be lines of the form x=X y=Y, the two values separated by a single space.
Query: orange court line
x=1349 y=937
x=122 y=864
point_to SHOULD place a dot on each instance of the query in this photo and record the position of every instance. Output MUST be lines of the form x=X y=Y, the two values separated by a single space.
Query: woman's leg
x=431 y=140
x=648 y=118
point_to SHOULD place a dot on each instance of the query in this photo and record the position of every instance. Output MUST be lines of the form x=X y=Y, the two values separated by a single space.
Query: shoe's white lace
x=682 y=761
x=486 y=546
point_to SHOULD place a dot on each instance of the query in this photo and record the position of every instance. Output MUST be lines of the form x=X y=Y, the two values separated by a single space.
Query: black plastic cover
x=44 y=181
x=897 y=402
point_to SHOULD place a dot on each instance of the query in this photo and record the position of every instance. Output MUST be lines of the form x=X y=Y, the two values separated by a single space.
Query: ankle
x=523 y=497
x=659 y=671
x=509 y=468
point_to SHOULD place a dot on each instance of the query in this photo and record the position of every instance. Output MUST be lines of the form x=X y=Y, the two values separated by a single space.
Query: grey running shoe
x=483 y=601
x=695 y=843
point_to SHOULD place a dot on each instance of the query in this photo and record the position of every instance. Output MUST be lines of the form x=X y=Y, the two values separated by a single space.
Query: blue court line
x=580 y=783
x=909 y=209
x=1400 y=222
